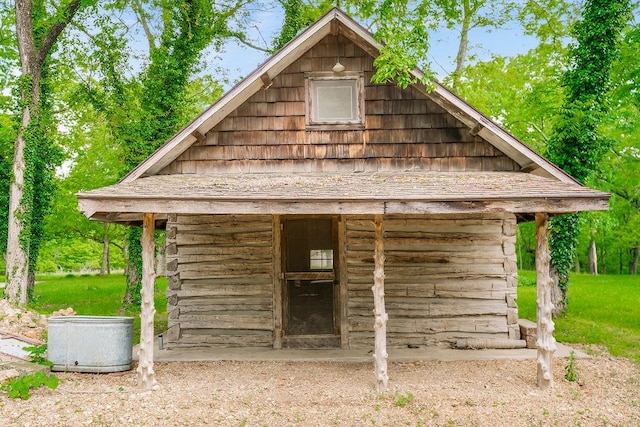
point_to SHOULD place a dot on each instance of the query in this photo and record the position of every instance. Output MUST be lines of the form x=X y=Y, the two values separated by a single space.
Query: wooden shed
x=270 y=196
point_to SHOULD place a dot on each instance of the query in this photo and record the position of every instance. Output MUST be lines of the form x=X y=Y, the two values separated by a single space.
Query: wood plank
x=229 y=322
x=483 y=324
x=277 y=282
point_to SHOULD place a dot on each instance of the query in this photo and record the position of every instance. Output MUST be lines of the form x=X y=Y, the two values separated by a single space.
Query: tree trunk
x=133 y=270
x=161 y=258
x=104 y=265
x=593 y=255
x=557 y=296
x=380 y=325
x=32 y=58
x=633 y=267
x=17 y=267
x=545 y=343
x=463 y=46
x=146 y=374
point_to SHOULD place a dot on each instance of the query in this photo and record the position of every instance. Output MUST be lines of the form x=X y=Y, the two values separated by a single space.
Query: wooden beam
x=476 y=129
x=380 y=325
x=266 y=81
x=545 y=343
x=343 y=281
x=146 y=375
x=198 y=135
x=277 y=281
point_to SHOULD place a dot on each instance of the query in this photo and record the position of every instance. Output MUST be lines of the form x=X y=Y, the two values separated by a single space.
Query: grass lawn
x=95 y=295
x=603 y=310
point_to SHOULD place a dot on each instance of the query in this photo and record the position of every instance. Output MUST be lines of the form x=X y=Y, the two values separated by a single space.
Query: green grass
x=95 y=295
x=603 y=310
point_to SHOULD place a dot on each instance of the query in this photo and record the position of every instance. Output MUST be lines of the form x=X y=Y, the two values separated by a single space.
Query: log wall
x=403 y=130
x=445 y=279
x=220 y=281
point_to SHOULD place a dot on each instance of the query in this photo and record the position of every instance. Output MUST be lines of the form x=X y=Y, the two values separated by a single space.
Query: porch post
x=146 y=375
x=380 y=326
x=545 y=343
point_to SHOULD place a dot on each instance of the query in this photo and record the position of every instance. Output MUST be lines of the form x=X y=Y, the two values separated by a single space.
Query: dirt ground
x=481 y=393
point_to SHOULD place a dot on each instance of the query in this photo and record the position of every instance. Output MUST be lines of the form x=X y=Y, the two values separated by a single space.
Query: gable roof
x=337 y=22
x=538 y=185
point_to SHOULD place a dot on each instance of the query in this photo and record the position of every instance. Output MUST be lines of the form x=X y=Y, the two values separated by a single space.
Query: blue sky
x=509 y=41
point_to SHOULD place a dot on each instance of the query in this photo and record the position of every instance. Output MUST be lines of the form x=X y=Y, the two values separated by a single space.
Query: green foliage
x=571 y=371
x=590 y=318
x=132 y=296
x=562 y=241
x=36 y=354
x=297 y=16
x=576 y=145
x=21 y=387
x=402 y=400
x=406 y=41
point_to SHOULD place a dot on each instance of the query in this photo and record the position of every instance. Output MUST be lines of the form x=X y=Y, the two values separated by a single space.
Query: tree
x=188 y=26
x=38 y=28
x=576 y=144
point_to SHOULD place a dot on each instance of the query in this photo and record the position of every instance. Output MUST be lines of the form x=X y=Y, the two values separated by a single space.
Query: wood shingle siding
x=403 y=130
x=220 y=280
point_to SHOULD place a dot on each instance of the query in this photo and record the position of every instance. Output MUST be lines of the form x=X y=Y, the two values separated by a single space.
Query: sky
x=509 y=41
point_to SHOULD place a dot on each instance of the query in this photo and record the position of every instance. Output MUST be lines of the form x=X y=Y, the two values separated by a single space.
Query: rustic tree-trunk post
x=380 y=326
x=546 y=344
x=146 y=375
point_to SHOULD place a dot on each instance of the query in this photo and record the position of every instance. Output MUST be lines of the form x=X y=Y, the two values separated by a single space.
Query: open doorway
x=310 y=290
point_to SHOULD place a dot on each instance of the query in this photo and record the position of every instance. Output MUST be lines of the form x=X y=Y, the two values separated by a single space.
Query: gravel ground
x=486 y=393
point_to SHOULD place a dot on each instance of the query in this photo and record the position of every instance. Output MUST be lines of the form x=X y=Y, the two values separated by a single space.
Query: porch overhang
x=411 y=192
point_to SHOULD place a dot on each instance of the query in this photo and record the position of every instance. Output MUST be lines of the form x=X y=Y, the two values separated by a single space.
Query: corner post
x=146 y=375
x=380 y=326
x=545 y=343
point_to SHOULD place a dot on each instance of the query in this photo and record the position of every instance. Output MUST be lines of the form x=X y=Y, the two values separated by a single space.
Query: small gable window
x=334 y=100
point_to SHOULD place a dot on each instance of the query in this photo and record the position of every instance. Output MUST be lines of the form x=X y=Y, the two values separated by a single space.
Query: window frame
x=311 y=102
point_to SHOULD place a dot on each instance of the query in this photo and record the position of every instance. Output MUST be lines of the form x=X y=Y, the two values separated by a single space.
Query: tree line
x=93 y=87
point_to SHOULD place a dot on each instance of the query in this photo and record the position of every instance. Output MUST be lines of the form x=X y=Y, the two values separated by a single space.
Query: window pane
x=334 y=100
x=321 y=259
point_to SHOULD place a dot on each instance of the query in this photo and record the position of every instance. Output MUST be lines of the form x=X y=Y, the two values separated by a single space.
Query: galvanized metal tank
x=90 y=343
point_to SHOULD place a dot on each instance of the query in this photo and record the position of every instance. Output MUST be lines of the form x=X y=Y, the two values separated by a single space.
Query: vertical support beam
x=545 y=343
x=146 y=375
x=277 y=282
x=343 y=282
x=380 y=326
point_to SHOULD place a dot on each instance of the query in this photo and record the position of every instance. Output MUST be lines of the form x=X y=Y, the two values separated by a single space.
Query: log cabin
x=281 y=199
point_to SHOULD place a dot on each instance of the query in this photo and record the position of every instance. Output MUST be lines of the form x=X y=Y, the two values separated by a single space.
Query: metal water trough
x=90 y=343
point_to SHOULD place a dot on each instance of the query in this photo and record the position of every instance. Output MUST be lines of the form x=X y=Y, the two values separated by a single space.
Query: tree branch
x=56 y=29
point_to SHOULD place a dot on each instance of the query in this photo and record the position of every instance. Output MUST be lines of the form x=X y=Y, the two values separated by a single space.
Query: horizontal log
x=430 y=307
x=221 y=258
x=212 y=308
x=208 y=252
x=433 y=293
x=484 y=324
x=454 y=223
x=188 y=291
x=222 y=220
x=424 y=246
x=239 y=238
x=249 y=267
x=438 y=237
x=428 y=269
x=185 y=303
x=425 y=259
x=255 y=275
x=227 y=322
